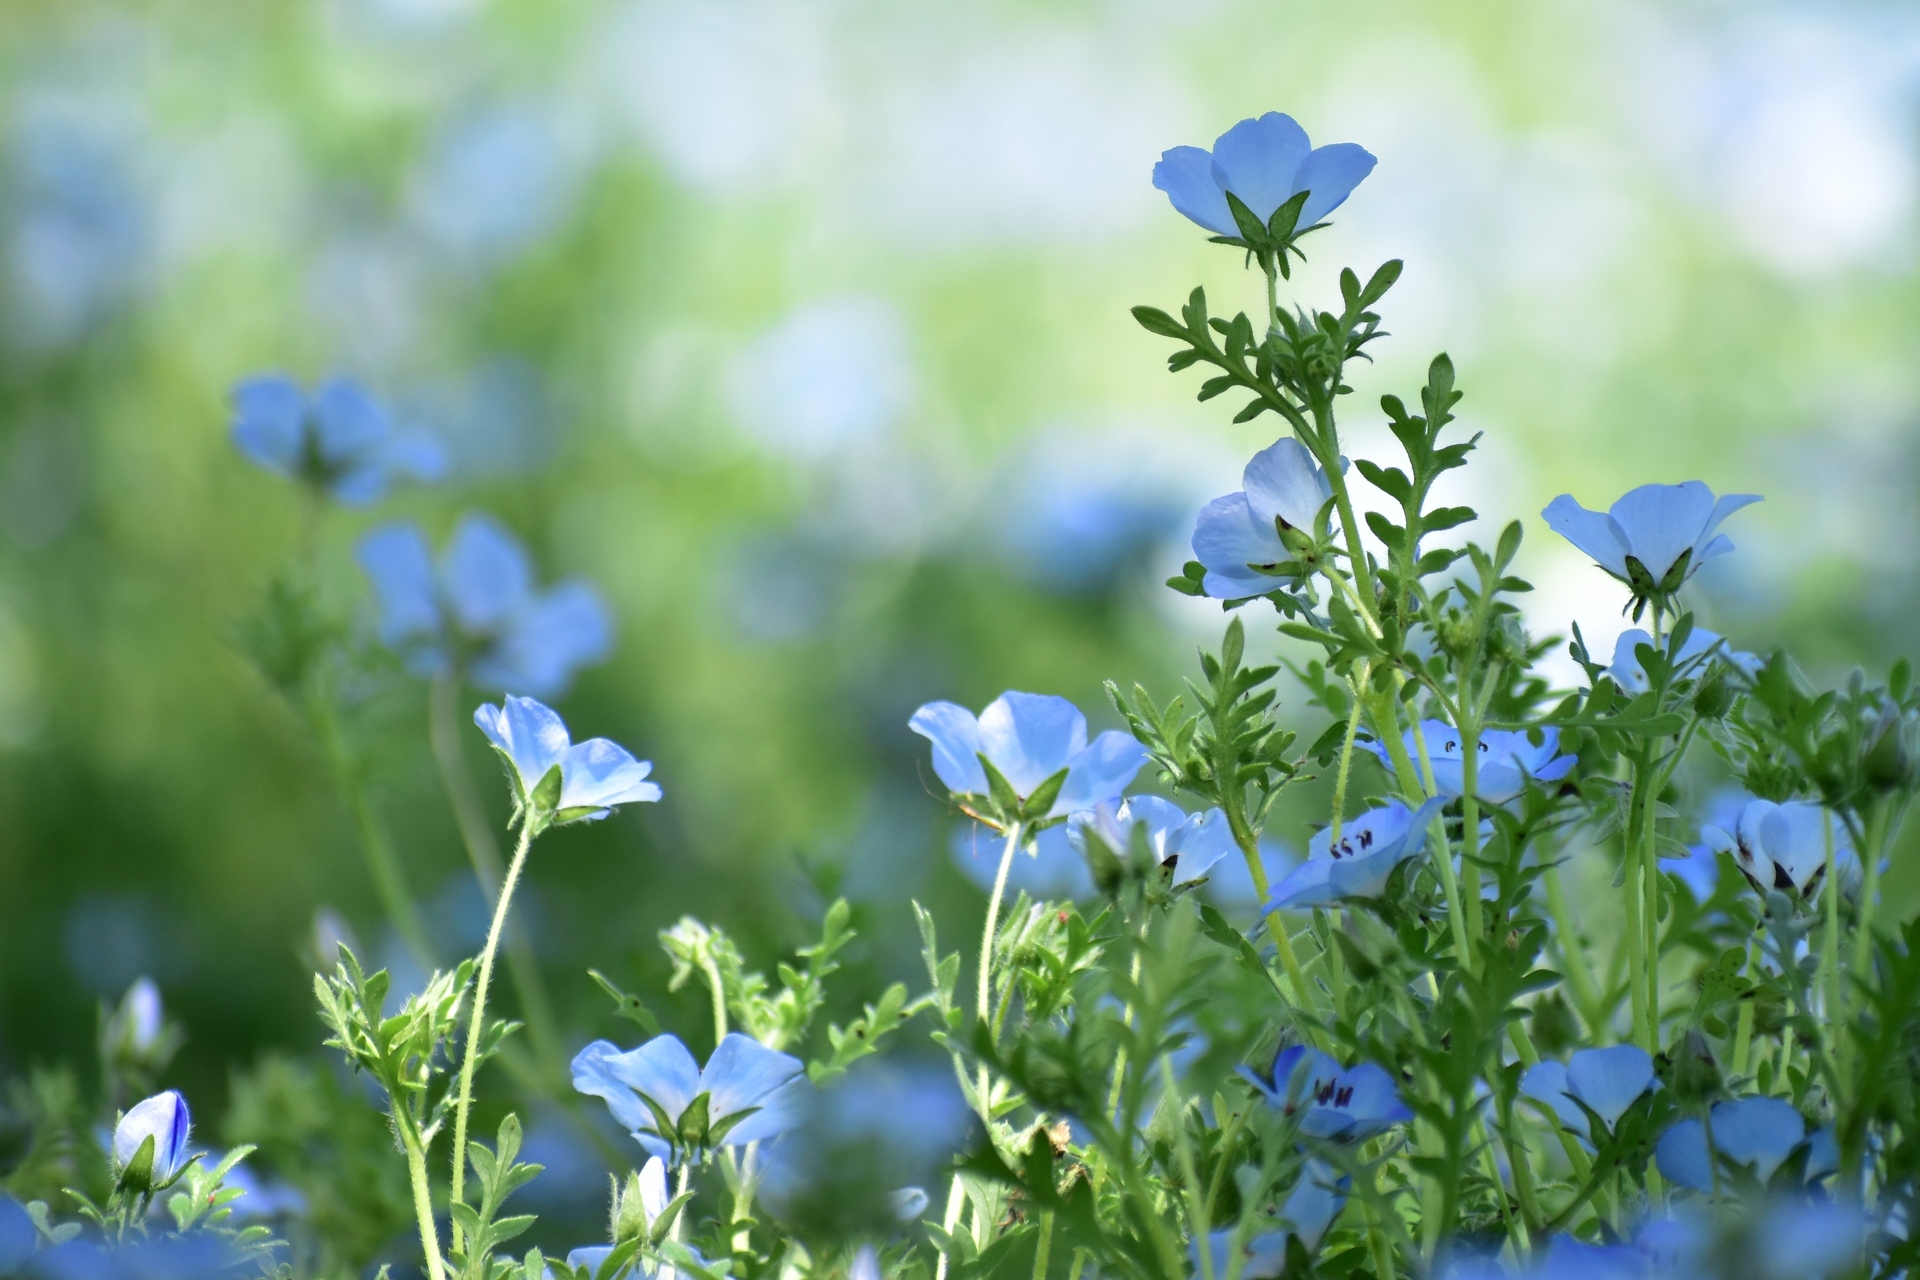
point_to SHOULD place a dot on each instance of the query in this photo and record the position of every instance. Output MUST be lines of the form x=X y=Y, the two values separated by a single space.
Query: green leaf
x=1154 y=320
x=1383 y=279
x=546 y=793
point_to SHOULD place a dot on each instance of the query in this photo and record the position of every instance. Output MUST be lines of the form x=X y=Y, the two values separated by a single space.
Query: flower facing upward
x=1507 y=759
x=163 y=1118
x=1282 y=487
x=1028 y=738
x=595 y=776
x=337 y=440
x=1606 y=1080
x=1655 y=537
x=477 y=611
x=1265 y=163
x=1784 y=846
x=1756 y=1133
x=1358 y=864
x=670 y=1105
x=1350 y=1105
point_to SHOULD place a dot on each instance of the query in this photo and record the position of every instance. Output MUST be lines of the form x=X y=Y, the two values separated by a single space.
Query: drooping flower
x=1632 y=677
x=1651 y=528
x=752 y=1092
x=1191 y=842
x=1508 y=758
x=164 y=1119
x=1282 y=486
x=1784 y=846
x=1028 y=738
x=477 y=612
x=337 y=440
x=1350 y=1105
x=1359 y=863
x=1265 y=162
x=596 y=776
x=1757 y=1133
x=1607 y=1080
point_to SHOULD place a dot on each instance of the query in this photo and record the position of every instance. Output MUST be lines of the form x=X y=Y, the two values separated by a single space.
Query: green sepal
x=1040 y=803
x=138 y=1175
x=692 y=1129
x=546 y=793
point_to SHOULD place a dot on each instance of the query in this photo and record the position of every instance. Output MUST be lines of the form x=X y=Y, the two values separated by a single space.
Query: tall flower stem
x=479 y=1020
x=484 y=853
x=422 y=1199
x=1014 y=835
x=1637 y=985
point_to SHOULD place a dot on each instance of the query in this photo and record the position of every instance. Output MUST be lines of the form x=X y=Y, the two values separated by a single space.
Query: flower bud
x=1889 y=760
x=161 y=1120
x=140 y=1018
x=1714 y=698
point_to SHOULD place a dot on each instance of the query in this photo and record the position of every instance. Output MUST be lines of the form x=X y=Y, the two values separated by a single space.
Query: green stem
x=1650 y=882
x=478 y=1019
x=422 y=1199
x=1354 y=685
x=985 y=1005
x=1386 y=726
x=1044 y=1247
x=1636 y=905
x=712 y=972
x=1579 y=975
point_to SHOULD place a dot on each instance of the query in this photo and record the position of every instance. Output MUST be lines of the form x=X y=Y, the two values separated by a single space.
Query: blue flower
x=1806 y=1237
x=477 y=612
x=1316 y=1200
x=1264 y=162
x=1508 y=758
x=752 y=1092
x=1028 y=738
x=1191 y=842
x=1630 y=676
x=1607 y=1080
x=1756 y=1133
x=17 y=1236
x=1570 y=1259
x=866 y=1265
x=653 y=1202
x=1784 y=846
x=595 y=775
x=1652 y=527
x=163 y=1118
x=1052 y=868
x=338 y=440
x=1282 y=487
x=1348 y=1105
x=1262 y=1257
x=1358 y=865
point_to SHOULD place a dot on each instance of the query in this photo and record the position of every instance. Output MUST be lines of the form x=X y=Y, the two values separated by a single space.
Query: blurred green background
x=801 y=329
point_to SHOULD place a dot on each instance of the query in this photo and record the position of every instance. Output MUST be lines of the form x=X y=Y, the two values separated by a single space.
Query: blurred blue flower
x=1282 y=486
x=1028 y=737
x=477 y=611
x=833 y=375
x=1192 y=842
x=1757 y=1133
x=1508 y=758
x=595 y=776
x=1653 y=526
x=1606 y=1080
x=1359 y=863
x=1802 y=1238
x=493 y=183
x=1349 y=1105
x=17 y=1236
x=1262 y=1257
x=1630 y=676
x=165 y=1119
x=1316 y=1200
x=650 y=1088
x=198 y=1256
x=1784 y=846
x=338 y=440
x=136 y=1025
x=1051 y=870
x=1265 y=162
x=1570 y=1259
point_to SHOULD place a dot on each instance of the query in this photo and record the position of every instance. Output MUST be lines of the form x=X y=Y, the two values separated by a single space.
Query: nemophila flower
x=17 y=1235
x=1800 y=1237
x=1784 y=846
x=1027 y=738
x=162 y=1120
x=1358 y=864
x=594 y=777
x=1264 y=162
x=1508 y=758
x=1262 y=1257
x=1655 y=537
x=477 y=611
x=1350 y=1104
x=1632 y=677
x=337 y=440
x=1755 y=1133
x=1283 y=487
x=135 y=1028
x=672 y=1106
x=1189 y=843
x=635 y=1208
x=1607 y=1080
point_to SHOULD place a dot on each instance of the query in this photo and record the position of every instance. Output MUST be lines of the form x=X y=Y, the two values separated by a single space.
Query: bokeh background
x=801 y=329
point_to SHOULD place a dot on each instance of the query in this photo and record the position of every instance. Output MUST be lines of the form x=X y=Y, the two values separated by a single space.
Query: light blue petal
x=1226 y=539
x=660 y=1069
x=783 y=1109
x=1823 y=1154
x=487 y=574
x=1283 y=482
x=599 y=774
x=1308 y=885
x=1547 y=1081
x=1760 y=1132
x=1608 y=1080
x=1186 y=175
x=1050 y=868
x=1794 y=835
x=1681 y=1155
x=397 y=562
x=1331 y=173
x=348 y=425
x=17 y=1236
x=1164 y=821
x=1660 y=522
x=543 y=643
x=744 y=1073
x=1301 y=1072
x=268 y=417
x=1808 y=1238
x=1627 y=670
x=590 y=1257
x=1590 y=531
x=493 y=722
x=359 y=486
x=1365 y=876
x=1257 y=160
x=415 y=454
x=1704 y=545
x=1031 y=736
x=1367 y=1092
x=596 y=1073
x=1363 y=834
x=1316 y=1200
x=1204 y=840
x=536 y=738
x=1100 y=772
x=955 y=734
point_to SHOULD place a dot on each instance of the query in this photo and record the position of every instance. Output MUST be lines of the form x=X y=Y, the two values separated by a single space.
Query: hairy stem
x=422 y=1198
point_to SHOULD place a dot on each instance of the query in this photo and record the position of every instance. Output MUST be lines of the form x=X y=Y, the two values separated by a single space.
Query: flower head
x=1350 y=1105
x=635 y=1208
x=1757 y=1134
x=672 y=1107
x=595 y=776
x=162 y=1120
x=1508 y=758
x=1265 y=163
x=1240 y=534
x=477 y=611
x=1607 y=1081
x=1784 y=846
x=1358 y=864
x=1027 y=739
x=1188 y=843
x=337 y=440
x=1654 y=538
x=1632 y=677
